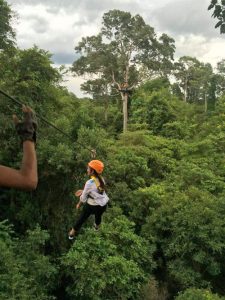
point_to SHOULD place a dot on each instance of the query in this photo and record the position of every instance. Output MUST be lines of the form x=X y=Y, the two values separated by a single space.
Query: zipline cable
x=47 y=122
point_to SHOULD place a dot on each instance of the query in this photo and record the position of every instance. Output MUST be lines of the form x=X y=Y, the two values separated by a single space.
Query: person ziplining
x=93 y=196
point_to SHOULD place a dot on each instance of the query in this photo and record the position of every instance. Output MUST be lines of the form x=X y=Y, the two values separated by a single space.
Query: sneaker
x=71 y=234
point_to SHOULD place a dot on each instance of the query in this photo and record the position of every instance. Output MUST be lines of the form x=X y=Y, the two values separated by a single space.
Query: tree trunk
x=185 y=89
x=125 y=113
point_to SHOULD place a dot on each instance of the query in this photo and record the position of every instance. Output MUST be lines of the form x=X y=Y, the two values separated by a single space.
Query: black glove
x=26 y=129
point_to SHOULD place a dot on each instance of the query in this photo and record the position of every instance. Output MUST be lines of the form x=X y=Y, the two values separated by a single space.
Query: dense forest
x=158 y=124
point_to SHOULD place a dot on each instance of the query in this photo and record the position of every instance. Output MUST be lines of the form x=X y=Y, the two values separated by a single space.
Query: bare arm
x=78 y=194
x=26 y=177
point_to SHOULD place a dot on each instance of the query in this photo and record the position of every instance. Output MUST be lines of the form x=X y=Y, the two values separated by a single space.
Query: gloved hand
x=26 y=129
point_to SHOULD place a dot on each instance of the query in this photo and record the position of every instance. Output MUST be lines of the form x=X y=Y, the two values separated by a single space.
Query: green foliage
x=164 y=229
x=196 y=81
x=140 y=98
x=190 y=228
x=154 y=105
x=113 y=267
x=159 y=111
x=29 y=74
x=197 y=294
x=7 y=33
x=144 y=202
x=177 y=130
x=155 y=85
x=128 y=167
x=154 y=290
x=26 y=273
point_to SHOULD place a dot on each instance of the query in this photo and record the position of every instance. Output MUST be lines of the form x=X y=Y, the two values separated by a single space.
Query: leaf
x=212 y=4
x=217 y=10
x=222 y=28
x=218 y=24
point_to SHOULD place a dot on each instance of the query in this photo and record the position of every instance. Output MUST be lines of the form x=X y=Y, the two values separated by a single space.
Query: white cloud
x=58 y=25
x=200 y=47
x=60 y=34
x=185 y=17
x=73 y=85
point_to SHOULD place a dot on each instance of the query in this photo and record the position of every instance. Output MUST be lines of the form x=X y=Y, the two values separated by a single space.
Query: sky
x=58 y=25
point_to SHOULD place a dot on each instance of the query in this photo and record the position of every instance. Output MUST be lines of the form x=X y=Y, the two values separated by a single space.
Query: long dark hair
x=101 y=181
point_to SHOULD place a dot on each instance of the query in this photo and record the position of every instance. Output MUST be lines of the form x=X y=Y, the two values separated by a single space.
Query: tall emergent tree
x=196 y=80
x=218 y=13
x=198 y=83
x=122 y=55
x=7 y=34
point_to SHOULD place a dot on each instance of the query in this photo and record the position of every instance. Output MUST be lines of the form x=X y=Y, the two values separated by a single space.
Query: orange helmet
x=97 y=165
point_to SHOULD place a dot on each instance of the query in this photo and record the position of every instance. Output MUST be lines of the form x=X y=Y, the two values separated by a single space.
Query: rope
x=93 y=152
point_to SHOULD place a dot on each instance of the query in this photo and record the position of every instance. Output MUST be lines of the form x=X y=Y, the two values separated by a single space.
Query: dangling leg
x=87 y=211
x=99 y=210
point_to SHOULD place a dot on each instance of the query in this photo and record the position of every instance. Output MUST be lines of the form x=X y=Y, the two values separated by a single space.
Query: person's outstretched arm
x=27 y=177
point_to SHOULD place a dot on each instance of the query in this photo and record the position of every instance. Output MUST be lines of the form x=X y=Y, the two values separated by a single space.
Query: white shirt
x=92 y=196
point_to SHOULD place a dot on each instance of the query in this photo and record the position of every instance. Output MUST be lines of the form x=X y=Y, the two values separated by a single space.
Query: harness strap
x=97 y=183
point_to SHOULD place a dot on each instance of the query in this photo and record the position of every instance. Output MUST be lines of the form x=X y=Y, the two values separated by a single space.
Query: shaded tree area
x=162 y=236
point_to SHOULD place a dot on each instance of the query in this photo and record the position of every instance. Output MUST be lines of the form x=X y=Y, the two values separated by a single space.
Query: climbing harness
x=97 y=183
x=93 y=151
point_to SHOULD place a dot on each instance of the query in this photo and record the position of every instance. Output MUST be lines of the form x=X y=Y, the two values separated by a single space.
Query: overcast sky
x=58 y=25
